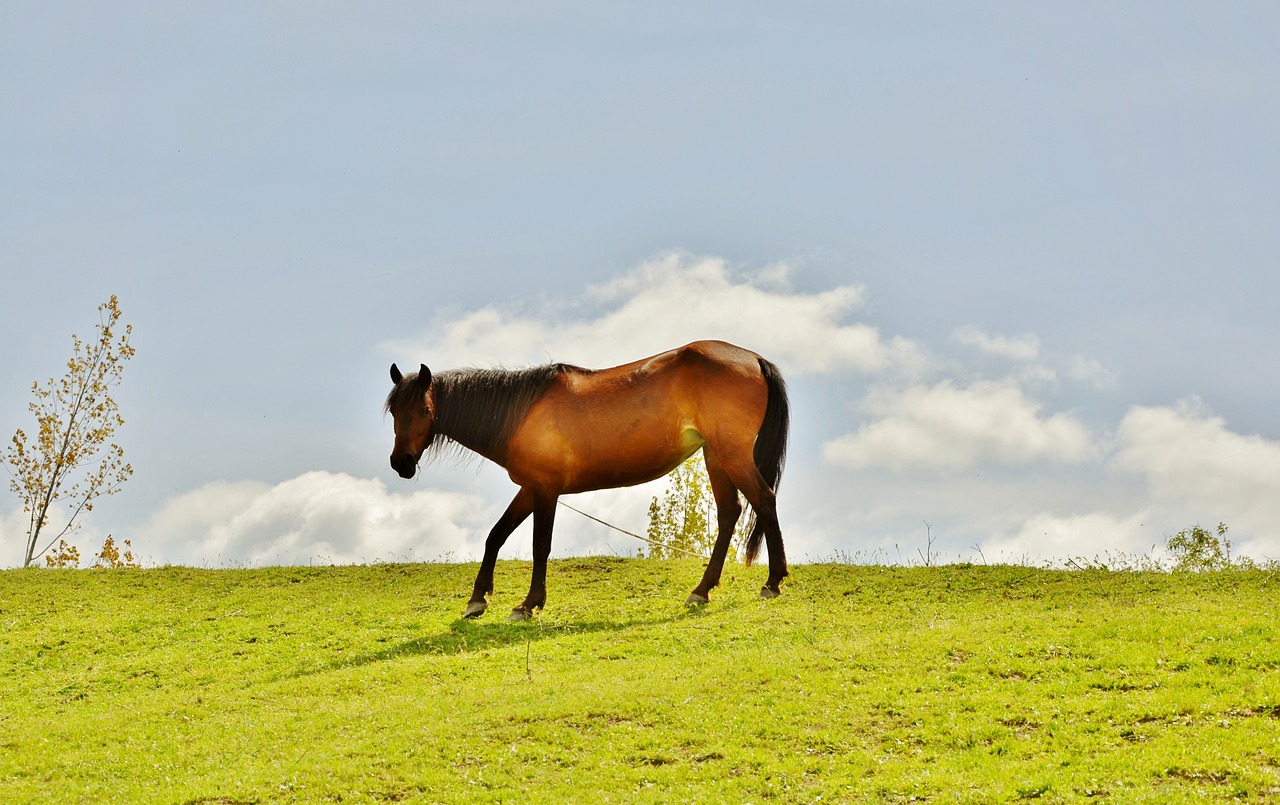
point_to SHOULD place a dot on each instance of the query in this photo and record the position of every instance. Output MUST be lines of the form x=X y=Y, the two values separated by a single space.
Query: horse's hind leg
x=728 y=509
x=519 y=509
x=768 y=516
x=763 y=500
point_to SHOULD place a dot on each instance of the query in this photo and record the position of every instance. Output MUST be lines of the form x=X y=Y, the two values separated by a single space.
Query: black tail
x=771 y=448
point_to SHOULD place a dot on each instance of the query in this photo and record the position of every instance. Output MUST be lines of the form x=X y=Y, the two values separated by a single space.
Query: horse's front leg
x=544 y=517
x=519 y=508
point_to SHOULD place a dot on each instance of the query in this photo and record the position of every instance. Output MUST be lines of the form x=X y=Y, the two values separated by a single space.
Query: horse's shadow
x=470 y=637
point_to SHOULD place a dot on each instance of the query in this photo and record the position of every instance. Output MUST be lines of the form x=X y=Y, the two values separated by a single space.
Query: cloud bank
x=1192 y=462
x=1088 y=537
x=664 y=303
x=985 y=459
x=318 y=517
x=944 y=427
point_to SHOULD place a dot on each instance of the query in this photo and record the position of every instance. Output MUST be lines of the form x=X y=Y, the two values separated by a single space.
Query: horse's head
x=410 y=406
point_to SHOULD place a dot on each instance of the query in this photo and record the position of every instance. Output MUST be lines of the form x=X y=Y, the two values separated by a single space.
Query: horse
x=560 y=429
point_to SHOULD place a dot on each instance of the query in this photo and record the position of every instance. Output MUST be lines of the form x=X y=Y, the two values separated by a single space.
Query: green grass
x=360 y=684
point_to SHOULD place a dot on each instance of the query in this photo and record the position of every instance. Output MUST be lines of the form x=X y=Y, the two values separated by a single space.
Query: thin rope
x=662 y=545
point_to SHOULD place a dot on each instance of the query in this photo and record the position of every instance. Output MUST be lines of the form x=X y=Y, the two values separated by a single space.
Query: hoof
x=695 y=600
x=475 y=609
x=519 y=614
x=766 y=592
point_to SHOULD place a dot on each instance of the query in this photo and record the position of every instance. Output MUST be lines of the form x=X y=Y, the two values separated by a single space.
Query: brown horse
x=561 y=429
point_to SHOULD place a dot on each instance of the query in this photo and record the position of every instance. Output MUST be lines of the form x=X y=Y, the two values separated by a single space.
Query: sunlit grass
x=971 y=684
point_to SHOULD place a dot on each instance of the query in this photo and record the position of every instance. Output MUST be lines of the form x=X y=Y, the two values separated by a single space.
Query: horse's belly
x=580 y=465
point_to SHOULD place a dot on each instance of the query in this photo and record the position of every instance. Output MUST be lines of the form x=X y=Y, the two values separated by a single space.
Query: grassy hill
x=360 y=684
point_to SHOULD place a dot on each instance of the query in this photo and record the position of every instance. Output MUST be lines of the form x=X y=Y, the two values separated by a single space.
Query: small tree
x=76 y=419
x=64 y=555
x=685 y=518
x=1197 y=548
x=111 y=557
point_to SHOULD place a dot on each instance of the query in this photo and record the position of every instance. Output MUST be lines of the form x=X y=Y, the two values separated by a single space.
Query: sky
x=1018 y=262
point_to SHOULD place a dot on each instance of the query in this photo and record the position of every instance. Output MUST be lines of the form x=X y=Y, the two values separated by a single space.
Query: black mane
x=478 y=409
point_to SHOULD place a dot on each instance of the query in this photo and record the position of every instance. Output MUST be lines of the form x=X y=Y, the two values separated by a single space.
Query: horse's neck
x=469 y=441
x=469 y=432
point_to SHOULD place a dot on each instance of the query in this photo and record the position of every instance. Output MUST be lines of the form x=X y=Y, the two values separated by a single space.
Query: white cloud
x=626 y=508
x=1190 y=460
x=1087 y=370
x=1024 y=347
x=317 y=516
x=665 y=303
x=13 y=536
x=336 y=518
x=1034 y=364
x=1046 y=537
x=945 y=427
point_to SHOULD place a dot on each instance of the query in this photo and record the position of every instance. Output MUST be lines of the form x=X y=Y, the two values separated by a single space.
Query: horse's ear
x=424 y=375
x=396 y=377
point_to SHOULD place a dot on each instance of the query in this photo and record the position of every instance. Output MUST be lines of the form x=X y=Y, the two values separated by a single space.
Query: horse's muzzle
x=406 y=465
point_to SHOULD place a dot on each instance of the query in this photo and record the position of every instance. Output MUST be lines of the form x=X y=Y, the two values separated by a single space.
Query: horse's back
x=695 y=379
x=633 y=423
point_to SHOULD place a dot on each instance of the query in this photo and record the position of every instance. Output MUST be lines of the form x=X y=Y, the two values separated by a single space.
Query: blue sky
x=1018 y=261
